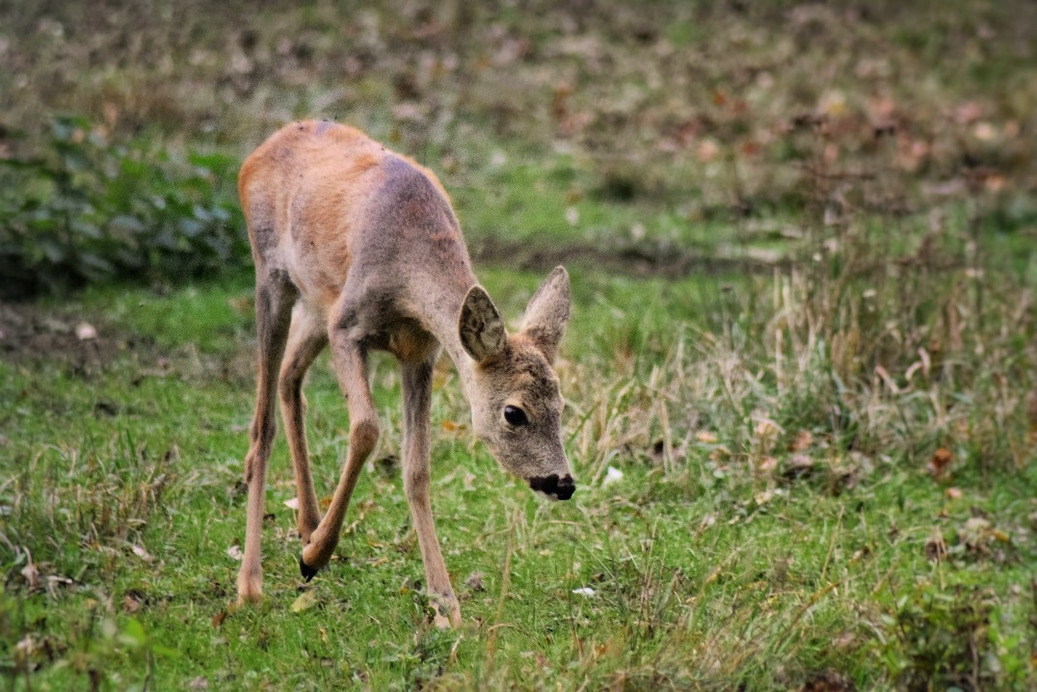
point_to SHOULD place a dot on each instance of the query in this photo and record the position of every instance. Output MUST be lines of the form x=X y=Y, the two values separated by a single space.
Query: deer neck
x=439 y=305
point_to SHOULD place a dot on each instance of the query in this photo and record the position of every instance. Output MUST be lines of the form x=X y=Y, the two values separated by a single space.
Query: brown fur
x=358 y=247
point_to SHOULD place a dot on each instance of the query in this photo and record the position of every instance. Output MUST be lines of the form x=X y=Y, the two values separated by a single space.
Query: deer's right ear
x=480 y=326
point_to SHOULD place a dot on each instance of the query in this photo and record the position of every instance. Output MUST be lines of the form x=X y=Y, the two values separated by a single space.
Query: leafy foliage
x=84 y=209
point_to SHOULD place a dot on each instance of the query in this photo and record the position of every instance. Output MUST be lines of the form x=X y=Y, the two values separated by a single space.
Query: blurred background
x=649 y=138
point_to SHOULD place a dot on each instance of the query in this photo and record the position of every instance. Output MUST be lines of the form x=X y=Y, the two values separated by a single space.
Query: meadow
x=800 y=375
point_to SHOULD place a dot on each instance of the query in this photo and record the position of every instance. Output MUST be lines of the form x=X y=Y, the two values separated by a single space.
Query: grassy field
x=801 y=372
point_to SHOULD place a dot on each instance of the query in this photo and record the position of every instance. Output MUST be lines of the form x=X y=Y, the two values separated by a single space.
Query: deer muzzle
x=554 y=487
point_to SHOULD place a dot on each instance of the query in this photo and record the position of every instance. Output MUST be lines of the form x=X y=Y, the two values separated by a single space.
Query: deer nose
x=553 y=486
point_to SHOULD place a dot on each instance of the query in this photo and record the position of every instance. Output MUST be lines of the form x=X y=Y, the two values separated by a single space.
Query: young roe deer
x=359 y=247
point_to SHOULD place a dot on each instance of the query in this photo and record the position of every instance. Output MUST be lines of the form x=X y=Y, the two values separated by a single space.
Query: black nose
x=562 y=488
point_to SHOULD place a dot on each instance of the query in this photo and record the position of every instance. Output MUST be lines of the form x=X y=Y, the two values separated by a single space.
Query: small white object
x=292 y=504
x=613 y=475
x=85 y=331
x=585 y=591
x=234 y=553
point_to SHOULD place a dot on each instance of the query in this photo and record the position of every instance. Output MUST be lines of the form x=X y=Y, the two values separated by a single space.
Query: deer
x=358 y=248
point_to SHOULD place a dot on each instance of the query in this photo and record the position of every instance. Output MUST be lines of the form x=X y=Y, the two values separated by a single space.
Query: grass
x=710 y=564
x=799 y=375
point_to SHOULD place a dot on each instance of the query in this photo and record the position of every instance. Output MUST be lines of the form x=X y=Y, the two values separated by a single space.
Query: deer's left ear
x=548 y=313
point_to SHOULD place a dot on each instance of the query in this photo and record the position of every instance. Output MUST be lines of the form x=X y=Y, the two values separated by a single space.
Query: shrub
x=83 y=210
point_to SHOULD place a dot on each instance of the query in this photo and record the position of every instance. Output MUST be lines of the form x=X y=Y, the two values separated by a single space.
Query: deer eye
x=515 y=416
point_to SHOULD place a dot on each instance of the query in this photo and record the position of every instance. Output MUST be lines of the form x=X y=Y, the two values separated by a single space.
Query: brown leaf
x=130 y=603
x=706 y=437
x=804 y=439
x=942 y=458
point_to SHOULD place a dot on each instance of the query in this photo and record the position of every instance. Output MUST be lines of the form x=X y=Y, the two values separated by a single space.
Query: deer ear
x=548 y=313
x=480 y=326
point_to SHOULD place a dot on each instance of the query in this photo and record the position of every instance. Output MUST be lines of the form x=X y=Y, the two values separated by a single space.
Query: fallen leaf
x=218 y=619
x=942 y=458
x=143 y=554
x=305 y=601
x=707 y=150
x=706 y=437
x=130 y=604
x=766 y=465
x=804 y=439
x=984 y=131
x=953 y=493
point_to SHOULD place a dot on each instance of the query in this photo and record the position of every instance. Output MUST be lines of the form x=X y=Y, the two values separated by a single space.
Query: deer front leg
x=350 y=364
x=417 y=390
x=274 y=300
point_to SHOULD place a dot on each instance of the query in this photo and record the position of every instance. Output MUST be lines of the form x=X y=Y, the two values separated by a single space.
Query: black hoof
x=308 y=572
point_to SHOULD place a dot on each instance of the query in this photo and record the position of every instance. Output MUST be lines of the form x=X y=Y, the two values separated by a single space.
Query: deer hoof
x=308 y=572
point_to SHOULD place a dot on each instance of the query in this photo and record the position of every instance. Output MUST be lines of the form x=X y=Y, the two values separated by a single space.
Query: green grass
x=801 y=246
x=123 y=493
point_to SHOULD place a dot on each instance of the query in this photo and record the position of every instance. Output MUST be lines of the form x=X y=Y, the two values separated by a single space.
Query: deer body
x=358 y=248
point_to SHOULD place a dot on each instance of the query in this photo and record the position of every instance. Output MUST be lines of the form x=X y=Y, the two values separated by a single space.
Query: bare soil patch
x=31 y=334
x=634 y=260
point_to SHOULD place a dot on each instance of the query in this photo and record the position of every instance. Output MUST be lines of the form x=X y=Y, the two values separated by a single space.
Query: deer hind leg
x=274 y=298
x=417 y=391
x=350 y=362
x=307 y=337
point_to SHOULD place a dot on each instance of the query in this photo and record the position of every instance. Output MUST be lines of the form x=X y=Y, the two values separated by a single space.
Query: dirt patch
x=86 y=345
x=30 y=334
x=634 y=260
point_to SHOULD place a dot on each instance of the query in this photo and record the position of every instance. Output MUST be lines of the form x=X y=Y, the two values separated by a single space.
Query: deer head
x=514 y=394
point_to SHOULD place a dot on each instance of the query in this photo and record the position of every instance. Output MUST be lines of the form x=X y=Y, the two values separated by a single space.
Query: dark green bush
x=82 y=209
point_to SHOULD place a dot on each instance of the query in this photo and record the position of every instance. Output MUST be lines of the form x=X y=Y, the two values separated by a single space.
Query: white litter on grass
x=234 y=553
x=292 y=504
x=612 y=476
x=585 y=591
x=140 y=552
x=85 y=331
